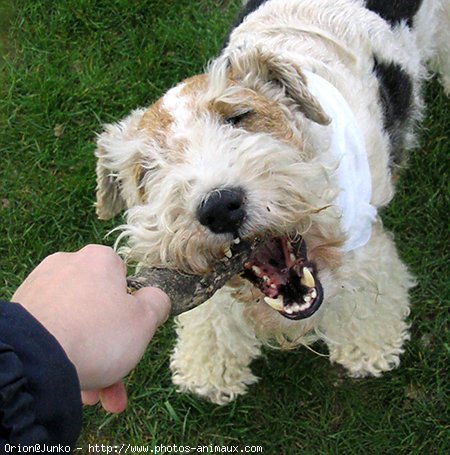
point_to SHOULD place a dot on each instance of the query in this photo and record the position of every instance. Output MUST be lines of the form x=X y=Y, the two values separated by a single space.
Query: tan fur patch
x=138 y=173
x=263 y=115
x=157 y=122
x=195 y=85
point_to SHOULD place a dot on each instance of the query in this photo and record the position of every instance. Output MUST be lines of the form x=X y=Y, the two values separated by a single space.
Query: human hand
x=81 y=299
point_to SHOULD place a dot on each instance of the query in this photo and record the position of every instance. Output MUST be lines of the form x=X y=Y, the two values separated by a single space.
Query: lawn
x=69 y=66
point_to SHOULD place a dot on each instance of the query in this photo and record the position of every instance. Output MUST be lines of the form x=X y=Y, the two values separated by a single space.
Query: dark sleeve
x=40 y=399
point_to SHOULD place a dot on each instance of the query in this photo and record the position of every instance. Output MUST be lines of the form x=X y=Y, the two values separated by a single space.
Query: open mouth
x=280 y=269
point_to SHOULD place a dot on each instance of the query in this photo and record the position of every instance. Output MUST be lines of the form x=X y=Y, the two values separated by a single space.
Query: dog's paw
x=369 y=360
x=217 y=383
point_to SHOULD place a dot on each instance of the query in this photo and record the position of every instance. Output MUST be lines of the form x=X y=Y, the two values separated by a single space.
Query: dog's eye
x=236 y=119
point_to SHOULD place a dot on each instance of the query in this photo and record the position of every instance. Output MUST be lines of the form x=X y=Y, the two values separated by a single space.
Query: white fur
x=176 y=105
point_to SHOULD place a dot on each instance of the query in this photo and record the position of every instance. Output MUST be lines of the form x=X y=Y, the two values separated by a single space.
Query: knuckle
x=54 y=257
x=102 y=253
x=99 y=251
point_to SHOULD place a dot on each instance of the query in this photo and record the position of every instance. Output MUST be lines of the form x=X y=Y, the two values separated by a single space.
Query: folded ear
x=119 y=168
x=255 y=68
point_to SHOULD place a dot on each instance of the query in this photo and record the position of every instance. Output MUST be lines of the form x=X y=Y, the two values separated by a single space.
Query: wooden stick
x=188 y=291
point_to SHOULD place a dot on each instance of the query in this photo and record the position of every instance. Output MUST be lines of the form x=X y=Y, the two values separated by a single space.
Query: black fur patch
x=248 y=8
x=396 y=94
x=395 y=11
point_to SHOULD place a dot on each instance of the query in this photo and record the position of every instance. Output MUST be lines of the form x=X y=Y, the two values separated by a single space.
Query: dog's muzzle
x=278 y=267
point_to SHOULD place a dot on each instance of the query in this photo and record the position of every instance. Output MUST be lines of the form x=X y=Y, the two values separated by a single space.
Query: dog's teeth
x=313 y=293
x=237 y=241
x=228 y=253
x=276 y=304
x=288 y=310
x=305 y=306
x=273 y=286
x=296 y=307
x=307 y=278
x=307 y=299
x=257 y=270
x=292 y=257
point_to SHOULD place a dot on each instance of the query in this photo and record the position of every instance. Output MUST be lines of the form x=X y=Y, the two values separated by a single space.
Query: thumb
x=114 y=398
x=156 y=301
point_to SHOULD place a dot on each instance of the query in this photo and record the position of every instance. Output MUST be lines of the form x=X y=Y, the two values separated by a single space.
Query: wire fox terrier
x=296 y=131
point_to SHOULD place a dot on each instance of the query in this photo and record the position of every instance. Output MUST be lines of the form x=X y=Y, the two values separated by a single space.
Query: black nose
x=222 y=211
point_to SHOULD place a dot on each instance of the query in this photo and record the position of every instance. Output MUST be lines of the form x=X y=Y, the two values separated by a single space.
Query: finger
x=114 y=398
x=90 y=397
x=156 y=301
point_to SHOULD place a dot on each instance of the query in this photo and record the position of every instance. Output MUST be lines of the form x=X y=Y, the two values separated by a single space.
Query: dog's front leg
x=364 y=322
x=214 y=349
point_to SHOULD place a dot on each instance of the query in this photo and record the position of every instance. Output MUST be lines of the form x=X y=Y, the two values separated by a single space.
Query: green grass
x=74 y=65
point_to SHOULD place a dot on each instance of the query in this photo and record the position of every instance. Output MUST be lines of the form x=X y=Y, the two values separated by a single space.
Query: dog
x=295 y=134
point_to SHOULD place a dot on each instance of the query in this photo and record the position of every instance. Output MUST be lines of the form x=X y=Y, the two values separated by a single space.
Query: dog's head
x=224 y=155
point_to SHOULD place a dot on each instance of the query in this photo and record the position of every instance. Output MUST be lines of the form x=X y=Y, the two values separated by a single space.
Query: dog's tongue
x=269 y=264
x=281 y=270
